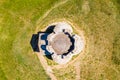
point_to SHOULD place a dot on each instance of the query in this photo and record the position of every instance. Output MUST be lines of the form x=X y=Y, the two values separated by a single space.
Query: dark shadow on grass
x=34 y=42
x=35 y=39
x=50 y=29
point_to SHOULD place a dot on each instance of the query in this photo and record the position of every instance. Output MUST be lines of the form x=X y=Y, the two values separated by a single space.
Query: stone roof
x=61 y=43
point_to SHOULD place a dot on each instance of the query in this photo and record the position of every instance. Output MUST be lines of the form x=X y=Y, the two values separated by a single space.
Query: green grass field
x=98 y=19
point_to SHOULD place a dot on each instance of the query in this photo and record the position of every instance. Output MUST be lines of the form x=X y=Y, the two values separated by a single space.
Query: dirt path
x=46 y=67
x=77 y=69
x=47 y=13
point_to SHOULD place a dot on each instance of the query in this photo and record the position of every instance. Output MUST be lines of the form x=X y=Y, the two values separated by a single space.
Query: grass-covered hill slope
x=98 y=19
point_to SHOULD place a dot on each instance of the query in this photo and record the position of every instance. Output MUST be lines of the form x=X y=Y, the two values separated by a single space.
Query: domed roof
x=60 y=43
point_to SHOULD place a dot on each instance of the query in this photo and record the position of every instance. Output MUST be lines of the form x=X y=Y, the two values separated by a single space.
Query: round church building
x=61 y=44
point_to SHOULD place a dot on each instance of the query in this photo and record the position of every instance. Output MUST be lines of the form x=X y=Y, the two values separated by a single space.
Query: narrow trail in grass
x=46 y=67
x=47 y=13
x=77 y=69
